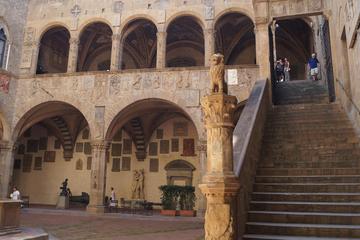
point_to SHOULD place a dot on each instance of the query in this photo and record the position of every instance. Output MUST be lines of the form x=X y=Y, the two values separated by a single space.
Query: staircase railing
x=247 y=142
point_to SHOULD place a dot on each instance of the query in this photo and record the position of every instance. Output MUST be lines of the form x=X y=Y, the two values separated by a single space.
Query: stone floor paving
x=71 y=225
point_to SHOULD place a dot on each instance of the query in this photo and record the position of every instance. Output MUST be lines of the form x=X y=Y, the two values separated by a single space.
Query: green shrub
x=172 y=196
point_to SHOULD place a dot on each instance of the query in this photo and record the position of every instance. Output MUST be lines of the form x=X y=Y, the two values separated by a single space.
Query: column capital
x=100 y=144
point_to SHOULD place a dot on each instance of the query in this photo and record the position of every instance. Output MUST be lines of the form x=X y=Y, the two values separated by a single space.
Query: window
x=2 y=48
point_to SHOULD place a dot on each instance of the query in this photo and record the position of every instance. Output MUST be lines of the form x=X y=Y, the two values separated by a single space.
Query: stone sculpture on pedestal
x=219 y=185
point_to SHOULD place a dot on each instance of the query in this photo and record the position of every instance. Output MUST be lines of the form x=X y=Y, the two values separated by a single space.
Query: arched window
x=2 y=48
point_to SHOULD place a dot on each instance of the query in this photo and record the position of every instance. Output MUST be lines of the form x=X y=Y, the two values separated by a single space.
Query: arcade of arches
x=149 y=135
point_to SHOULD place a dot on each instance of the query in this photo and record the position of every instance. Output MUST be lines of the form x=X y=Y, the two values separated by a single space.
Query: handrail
x=247 y=141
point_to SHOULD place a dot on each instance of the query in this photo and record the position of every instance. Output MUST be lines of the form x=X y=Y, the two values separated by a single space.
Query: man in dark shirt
x=313 y=65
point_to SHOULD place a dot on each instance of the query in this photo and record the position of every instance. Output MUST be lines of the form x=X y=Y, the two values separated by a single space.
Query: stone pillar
x=98 y=176
x=263 y=50
x=73 y=55
x=6 y=168
x=115 y=52
x=220 y=185
x=161 y=50
x=203 y=159
x=34 y=58
x=209 y=37
x=273 y=30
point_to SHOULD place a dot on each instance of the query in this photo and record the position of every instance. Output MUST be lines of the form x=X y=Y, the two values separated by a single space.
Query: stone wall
x=345 y=44
x=29 y=174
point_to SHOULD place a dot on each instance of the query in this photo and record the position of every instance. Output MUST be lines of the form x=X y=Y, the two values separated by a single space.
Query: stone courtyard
x=71 y=225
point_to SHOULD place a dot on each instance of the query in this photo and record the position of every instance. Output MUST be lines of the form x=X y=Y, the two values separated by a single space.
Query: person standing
x=279 y=68
x=287 y=69
x=112 y=198
x=15 y=195
x=314 y=67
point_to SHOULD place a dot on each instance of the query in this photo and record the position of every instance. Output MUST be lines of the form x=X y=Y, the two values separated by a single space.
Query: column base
x=95 y=209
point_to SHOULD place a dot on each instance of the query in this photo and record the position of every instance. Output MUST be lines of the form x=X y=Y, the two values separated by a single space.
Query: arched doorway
x=95 y=48
x=147 y=135
x=53 y=142
x=295 y=41
x=54 y=51
x=185 y=43
x=139 y=45
x=235 y=39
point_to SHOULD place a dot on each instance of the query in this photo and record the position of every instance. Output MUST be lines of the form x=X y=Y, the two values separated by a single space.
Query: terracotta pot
x=171 y=213
x=188 y=213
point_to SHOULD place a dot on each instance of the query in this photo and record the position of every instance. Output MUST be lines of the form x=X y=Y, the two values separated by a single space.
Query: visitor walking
x=314 y=67
x=279 y=69
x=15 y=195
x=286 y=69
x=112 y=198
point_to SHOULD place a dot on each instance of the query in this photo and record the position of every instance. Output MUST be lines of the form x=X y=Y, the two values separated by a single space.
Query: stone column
x=115 y=52
x=273 y=30
x=73 y=55
x=263 y=50
x=209 y=37
x=161 y=50
x=220 y=185
x=98 y=176
x=203 y=159
x=6 y=168
x=34 y=58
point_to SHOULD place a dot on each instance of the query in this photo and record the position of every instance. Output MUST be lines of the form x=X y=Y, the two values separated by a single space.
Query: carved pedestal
x=220 y=185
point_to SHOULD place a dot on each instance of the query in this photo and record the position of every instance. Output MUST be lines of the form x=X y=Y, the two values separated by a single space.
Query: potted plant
x=169 y=196
x=187 y=201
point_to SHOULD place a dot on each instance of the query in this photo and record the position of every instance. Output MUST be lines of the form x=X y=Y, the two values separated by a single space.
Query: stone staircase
x=307 y=184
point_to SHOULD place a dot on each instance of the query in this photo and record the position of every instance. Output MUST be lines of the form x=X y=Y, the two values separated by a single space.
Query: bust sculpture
x=217 y=73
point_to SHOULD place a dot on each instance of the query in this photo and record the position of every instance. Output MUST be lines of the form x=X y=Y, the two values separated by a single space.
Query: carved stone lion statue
x=217 y=73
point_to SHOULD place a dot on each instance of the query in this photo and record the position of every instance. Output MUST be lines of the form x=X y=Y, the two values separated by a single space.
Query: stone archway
x=179 y=172
x=147 y=135
x=53 y=143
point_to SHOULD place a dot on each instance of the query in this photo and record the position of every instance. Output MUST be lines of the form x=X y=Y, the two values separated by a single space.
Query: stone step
x=304 y=217
x=284 y=237
x=308 y=187
x=304 y=196
x=4 y=231
x=322 y=163
x=309 y=179
x=307 y=171
x=331 y=207
x=316 y=230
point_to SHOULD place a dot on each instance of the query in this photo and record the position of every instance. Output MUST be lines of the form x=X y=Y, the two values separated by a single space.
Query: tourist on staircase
x=314 y=67
x=286 y=69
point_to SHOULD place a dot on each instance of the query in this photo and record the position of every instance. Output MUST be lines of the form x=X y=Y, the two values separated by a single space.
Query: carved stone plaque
x=118 y=136
x=154 y=165
x=164 y=146
x=175 y=145
x=32 y=146
x=21 y=149
x=188 y=147
x=88 y=163
x=153 y=149
x=116 y=165
x=57 y=144
x=85 y=134
x=49 y=156
x=43 y=143
x=17 y=164
x=159 y=133
x=180 y=129
x=116 y=149
x=79 y=147
x=127 y=148
x=79 y=164
x=38 y=163
x=87 y=148
x=27 y=162
x=126 y=164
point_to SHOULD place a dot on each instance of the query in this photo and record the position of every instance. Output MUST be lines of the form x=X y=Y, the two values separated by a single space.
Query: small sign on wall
x=232 y=77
